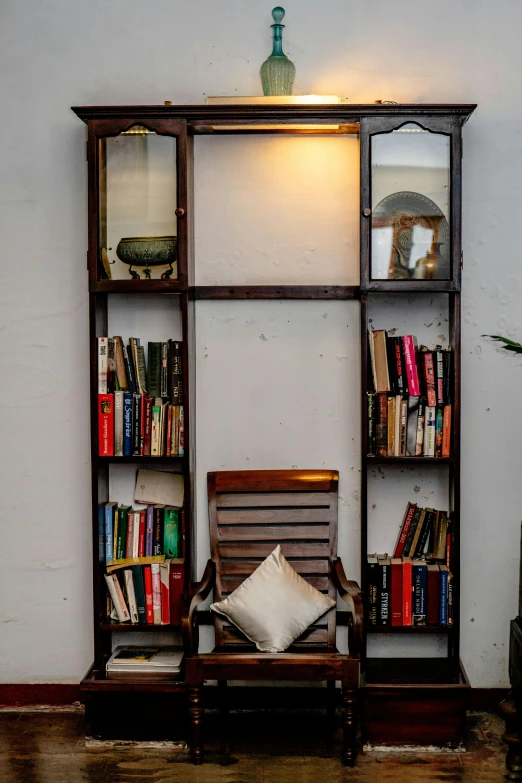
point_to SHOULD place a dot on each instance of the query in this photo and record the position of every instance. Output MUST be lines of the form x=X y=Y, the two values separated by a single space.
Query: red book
x=407 y=591
x=433 y=594
x=408 y=349
x=405 y=527
x=148 y=425
x=429 y=378
x=176 y=582
x=446 y=431
x=165 y=587
x=396 y=591
x=141 y=541
x=106 y=425
x=147 y=581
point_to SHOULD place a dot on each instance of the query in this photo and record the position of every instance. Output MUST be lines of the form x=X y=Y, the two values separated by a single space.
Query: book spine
x=408 y=347
x=176 y=583
x=142 y=372
x=156 y=593
x=131 y=597
x=421 y=543
x=438 y=432
x=406 y=552
x=115 y=532
x=433 y=595
x=438 y=357
x=103 y=362
x=175 y=372
x=396 y=594
x=147 y=416
x=106 y=425
x=154 y=367
x=136 y=424
x=164 y=370
x=117 y=597
x=446 y=431
x=165 y=587
x=141 y=541
x=129 y=536
x=429 y=378
x=383 y=617
x=405 y=528
x=392 y=367
x=155 y=431
x=406 y=593
x=118 y=423
x=111 y=366
x=171 y=541
x=127 y=424
x=157 y=544
x=448 y=376
x=373 y=592
x=168 y=441
x=381 y=430
x=129 y=369
x=399 y=367
x=419 y=576
x=443 y=613
x=101 y=533
x=391 y=427
x=403 y=427
x=450 y=599
x=136 y=534
x=181 y=432
x=429 y=432
x=139 y=592
x=109 y=533
x=149 y=533
x=371 y=424
x=122 y=532
x=121 y=375
x=421 y=415
x=147 y=580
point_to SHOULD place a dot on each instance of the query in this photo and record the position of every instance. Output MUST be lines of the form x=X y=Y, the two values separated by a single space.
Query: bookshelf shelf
x=435 y=125
x=411 y=629
x=108 y=626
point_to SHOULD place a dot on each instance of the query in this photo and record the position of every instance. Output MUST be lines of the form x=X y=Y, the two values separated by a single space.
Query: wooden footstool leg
x=196 y=720
x=349 y=726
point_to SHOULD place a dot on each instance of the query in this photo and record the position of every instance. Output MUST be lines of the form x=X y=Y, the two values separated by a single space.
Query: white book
x=118 y=424
x=156 y=487
x=131 y=595
x=103 y=363
x=429 y=432
x=136 y=535
x=151 y=662
x=156 y=592
x=117 y=597
x=155 y=433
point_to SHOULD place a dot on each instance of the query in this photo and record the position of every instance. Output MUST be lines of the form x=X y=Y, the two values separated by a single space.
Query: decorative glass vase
x=278 y=72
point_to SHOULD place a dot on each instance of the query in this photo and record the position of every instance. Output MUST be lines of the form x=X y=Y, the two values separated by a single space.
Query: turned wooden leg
x=223 y=710
x=512 y=736
x=196 y=720
x=349 y=726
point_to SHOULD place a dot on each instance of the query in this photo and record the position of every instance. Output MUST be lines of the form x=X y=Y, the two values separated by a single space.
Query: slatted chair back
x=250 y=513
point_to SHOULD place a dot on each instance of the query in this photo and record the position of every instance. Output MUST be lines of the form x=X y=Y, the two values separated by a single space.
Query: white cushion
x=274 y=605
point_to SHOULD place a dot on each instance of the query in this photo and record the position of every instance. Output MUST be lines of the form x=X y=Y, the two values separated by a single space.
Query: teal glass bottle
x=278 y=72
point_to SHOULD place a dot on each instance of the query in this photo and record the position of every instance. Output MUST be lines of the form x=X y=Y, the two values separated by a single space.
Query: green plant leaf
x=503 y=340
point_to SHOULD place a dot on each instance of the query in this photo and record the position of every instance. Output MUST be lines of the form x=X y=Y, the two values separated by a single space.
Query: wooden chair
x=250 y=512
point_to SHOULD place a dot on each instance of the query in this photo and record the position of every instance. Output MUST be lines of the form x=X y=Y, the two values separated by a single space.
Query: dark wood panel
x=231 y=583
x=272 y=516
x=277 y=499
x=263 y=550
x=232 y=567
x=136 y=286
x=277 y=292
x=231 y=635
x=250 y=533
x=275 y=480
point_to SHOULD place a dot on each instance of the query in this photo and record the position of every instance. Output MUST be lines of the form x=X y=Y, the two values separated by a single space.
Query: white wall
x=56 y=53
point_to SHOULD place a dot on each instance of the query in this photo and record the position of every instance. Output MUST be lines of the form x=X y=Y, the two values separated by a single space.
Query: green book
x=122 y=532
x=154 y=369
x=171 y=543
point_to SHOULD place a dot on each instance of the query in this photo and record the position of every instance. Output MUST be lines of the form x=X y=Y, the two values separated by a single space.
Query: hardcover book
x=381 y=429
x=102 y=364
x=106 y=425
x=419 y=576
x=177 y=579
x=371 y=424
x=396 y=591
x=379 y=361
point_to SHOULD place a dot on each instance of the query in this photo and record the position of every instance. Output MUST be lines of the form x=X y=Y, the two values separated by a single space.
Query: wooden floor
x=47 y=747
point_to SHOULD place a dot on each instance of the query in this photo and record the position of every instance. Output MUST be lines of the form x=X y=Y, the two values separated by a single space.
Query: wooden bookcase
x=425 y=696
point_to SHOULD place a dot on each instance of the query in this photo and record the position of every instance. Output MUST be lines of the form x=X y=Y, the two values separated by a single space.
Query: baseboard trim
x=62 y=694
x=38 y=694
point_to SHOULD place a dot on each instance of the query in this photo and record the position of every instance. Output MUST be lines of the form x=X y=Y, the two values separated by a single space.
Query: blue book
x=127 y=424
x=101 y=531
x=443 y=615
x=419 y=579
x=109 y=537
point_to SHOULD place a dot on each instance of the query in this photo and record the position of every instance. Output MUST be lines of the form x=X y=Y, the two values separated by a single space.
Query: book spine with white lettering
x=118 y=423
x=103 y=361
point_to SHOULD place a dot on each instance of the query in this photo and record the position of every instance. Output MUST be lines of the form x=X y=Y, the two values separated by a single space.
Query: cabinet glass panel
x=137 y=203
x=410 y=187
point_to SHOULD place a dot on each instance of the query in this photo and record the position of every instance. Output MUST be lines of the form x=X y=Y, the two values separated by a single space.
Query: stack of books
x=146 y=594
x=145 y=663
x=140 y=404
x=414 y=587
x=410 y=404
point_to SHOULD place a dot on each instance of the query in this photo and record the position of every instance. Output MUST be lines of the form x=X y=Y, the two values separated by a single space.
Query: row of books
x=146 y=594
x=127 y=533
x=406 y=592
x=407 y=427
x=400 y=368
x=140 y=406
x=145 y=663
x=424 y=532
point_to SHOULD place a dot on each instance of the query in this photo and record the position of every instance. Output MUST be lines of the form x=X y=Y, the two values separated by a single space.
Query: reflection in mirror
x=138 y=227
x=410 y=185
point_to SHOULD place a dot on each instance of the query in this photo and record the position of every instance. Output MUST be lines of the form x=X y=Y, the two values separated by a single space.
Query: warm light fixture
x=275 y=100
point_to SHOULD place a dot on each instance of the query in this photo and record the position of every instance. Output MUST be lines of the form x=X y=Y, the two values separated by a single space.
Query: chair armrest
x=351 y=593
x=197 y=593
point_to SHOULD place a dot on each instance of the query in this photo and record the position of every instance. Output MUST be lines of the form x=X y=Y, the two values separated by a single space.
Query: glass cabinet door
x=140 y=205
x=408 y=210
